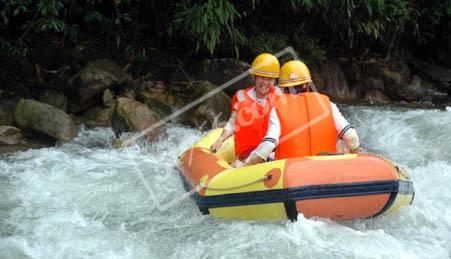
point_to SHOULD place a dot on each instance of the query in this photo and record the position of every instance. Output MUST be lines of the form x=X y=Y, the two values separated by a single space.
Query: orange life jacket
x=251 y=121
x=307 y=125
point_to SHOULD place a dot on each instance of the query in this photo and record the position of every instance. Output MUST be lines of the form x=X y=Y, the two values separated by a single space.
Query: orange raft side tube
x=339 y=187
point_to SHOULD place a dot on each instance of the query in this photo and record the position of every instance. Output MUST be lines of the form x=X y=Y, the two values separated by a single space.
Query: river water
x=84 y=199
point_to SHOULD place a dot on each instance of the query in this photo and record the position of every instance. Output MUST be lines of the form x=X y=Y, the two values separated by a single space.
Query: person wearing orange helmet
x=303 y=123
x=250 y=108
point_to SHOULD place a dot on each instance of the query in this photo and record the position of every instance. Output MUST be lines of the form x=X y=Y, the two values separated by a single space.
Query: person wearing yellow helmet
x=303 y=123
x=251 y=106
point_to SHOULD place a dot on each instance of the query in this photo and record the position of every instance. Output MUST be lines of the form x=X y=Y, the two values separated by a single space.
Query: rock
x=441 y=75
x=391 y=77
x=376 y=97
x=158 y=98
x=221 y=71
x=13 y=89
x=22 y=147
x=212 y=112
x=128 y=93
x=157 y=87
x=107 y=98
x=6 y=113
x=152 y=100
x=123 y=142
x=74 y=107
x=10 y=135
x=394 y=74
x=95 y=77
x=44 y=118
x=380 y=70
x=136 y=85
x=373 y=69
x=28 y=139
x=372 y=83
x=413 y=91
x=437 y=96
x=353 y=72
x=130 y=115
x=422 y=91
x=78 y=120
x=54 y=98
x=418 y=105
x=97 y=117
x=329 y=79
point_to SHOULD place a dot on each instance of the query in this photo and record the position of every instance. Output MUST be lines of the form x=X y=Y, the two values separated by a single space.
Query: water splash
x=84 y=199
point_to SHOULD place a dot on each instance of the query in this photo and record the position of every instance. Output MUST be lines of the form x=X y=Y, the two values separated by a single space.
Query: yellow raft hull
x=340 y=187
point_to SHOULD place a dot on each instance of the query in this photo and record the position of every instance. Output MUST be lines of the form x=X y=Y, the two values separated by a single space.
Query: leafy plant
x=207 y=22
x=309 y=48
x=267 y=42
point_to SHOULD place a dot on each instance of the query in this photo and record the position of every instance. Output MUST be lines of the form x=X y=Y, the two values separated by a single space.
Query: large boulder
x=107 y=98
x=373 y=83
x=212 y=111
x=44 y=118
x=6 y=113
x=413 y=91
x=132 y=116
x=329 y=79
x=222 y=71
x=97 y=117
x=440 y=75
x=54 y=98
x=420 y=90
x=159 y=99
x=10 y=135
x=91 y=81
x=394 y=72
x=376 y=97
x=156 y=102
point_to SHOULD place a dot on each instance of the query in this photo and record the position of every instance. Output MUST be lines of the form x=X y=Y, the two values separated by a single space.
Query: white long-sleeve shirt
x=270 y=141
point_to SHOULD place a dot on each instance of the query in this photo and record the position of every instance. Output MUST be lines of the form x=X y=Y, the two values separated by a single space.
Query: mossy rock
x=133 y=116
x=44 y=118
x=155 y=105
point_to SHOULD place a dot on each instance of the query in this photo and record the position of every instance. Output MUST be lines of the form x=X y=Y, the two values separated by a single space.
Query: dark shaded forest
x=225 y=28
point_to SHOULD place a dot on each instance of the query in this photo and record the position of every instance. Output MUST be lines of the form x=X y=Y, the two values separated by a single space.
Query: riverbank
x=47 y=98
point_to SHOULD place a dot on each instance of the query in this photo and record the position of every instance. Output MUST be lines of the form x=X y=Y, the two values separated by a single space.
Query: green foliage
x=46 y=14
x=266 y=42
x=224 y=25
x=13 y=49
x=365 y=22
x=309 y=49
x=28 y=21
x=207 y=22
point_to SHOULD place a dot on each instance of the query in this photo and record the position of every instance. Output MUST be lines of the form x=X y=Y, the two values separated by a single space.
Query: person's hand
x=216 y=146
x=355 y=151
x=237 y=163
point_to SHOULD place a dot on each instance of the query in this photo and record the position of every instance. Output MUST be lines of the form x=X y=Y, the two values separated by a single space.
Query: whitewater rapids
x=85 y=199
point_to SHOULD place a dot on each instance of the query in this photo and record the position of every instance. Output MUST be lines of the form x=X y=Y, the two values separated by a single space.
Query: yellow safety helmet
x=266 y=65
x=294 y=73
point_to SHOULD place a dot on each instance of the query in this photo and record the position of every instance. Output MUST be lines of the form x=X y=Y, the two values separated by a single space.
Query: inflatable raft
x=339 y=187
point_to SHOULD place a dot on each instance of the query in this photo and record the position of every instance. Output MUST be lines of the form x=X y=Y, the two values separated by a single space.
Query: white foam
x=84 y=199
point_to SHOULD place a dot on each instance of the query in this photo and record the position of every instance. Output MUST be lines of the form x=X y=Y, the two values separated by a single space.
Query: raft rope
x=202 y=185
